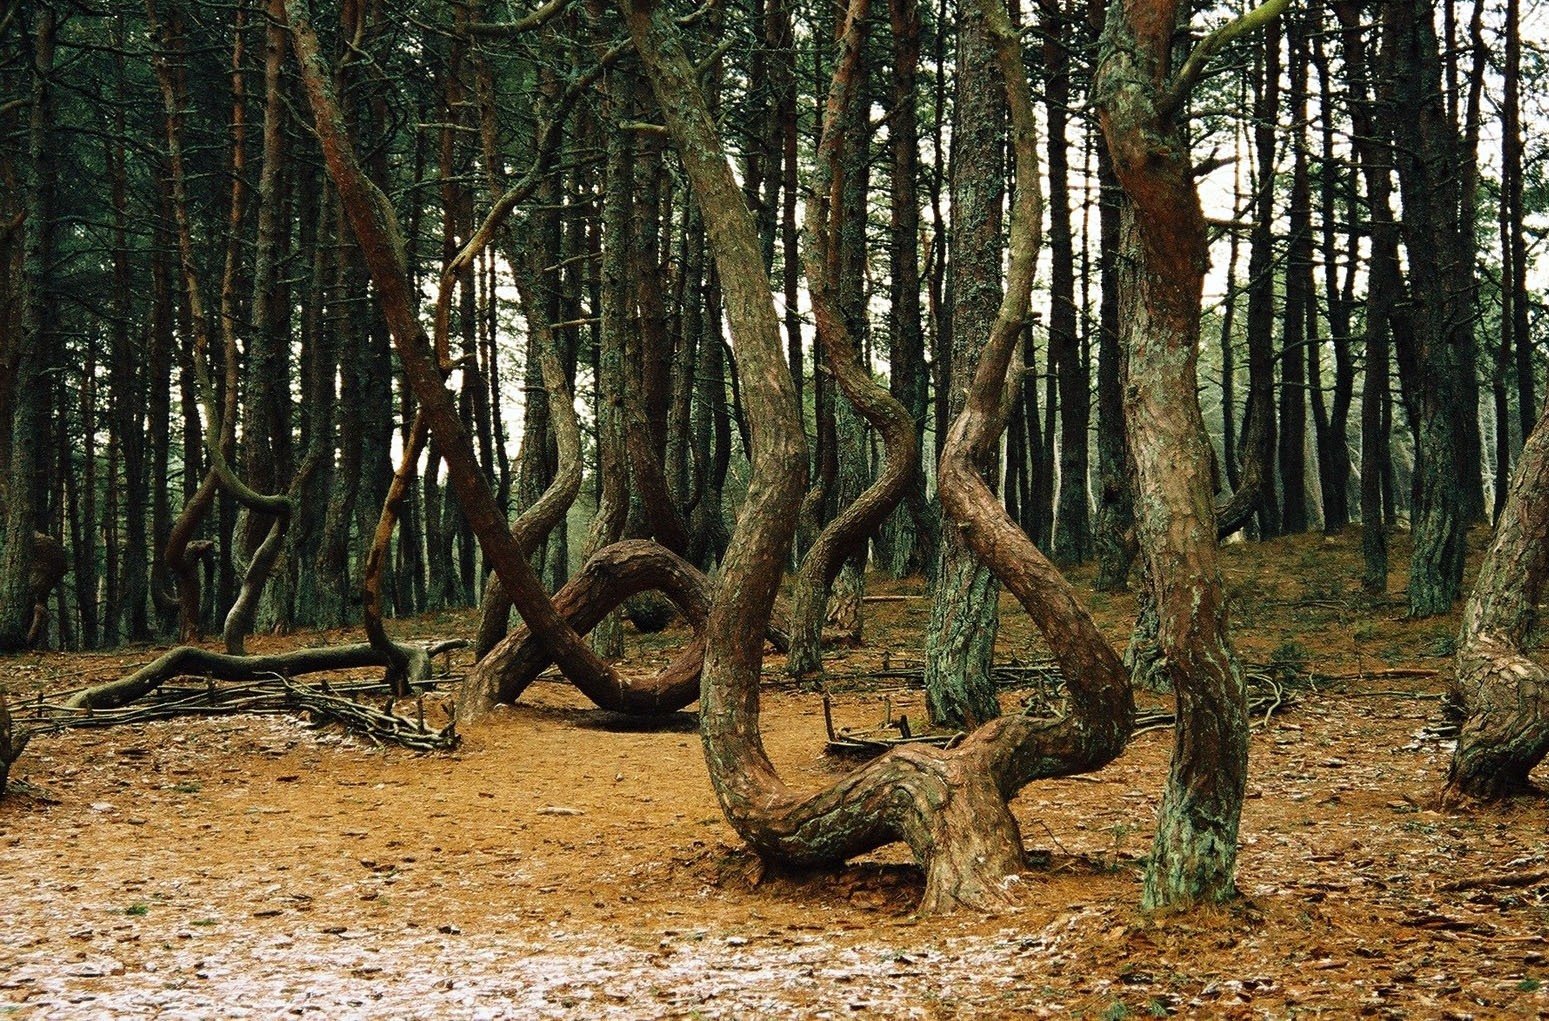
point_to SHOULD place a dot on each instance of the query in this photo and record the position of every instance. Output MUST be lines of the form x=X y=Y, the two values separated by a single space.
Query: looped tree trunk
x=612 y=575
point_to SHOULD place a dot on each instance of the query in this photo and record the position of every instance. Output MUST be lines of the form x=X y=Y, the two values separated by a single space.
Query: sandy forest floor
x=561 y=864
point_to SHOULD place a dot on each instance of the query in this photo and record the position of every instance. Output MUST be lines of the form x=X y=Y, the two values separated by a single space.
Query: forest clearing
x=565 y=862
x=974 y=508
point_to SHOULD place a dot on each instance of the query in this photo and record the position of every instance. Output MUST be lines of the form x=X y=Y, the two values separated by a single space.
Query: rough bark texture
x=1162 y=271
x=1502 y=693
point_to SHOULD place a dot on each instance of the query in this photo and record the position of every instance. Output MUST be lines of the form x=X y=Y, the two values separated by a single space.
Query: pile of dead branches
x=1271 y=688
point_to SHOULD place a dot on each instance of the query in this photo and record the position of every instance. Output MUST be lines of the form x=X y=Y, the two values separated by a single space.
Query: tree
x=960 y=644
x=27 y=359
x=1500 y=692
x=949 y=806
x=1426 y=154
x=1142 y=104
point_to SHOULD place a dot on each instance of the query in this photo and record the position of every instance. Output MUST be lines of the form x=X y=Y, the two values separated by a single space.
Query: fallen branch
x=1267 y=694
x=189 y=659
x=272 y=693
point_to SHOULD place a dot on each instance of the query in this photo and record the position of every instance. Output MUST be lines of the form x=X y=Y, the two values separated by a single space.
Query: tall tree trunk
x=833 y=301
x=1256 y=486
x=1072 y=524
x=26 y=426
x=1333 y=447
x=910 y=528
x=1440 y=264
x=1114 y=537
x=1382 y=292
x=1142 y=106
x=960 y=642
x=1296 y=338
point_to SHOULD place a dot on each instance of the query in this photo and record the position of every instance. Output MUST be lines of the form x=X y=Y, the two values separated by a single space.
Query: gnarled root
x=1505 y=733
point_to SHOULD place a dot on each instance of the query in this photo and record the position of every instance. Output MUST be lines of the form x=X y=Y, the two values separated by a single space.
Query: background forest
x=1315 y=379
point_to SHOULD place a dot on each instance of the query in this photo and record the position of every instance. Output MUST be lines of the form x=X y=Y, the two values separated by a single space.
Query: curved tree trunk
x=375 y=225
x=1502 y=692
x=220 y=432
x=848 y=533
x=612 y=575
x=200 y=662
x=532 y=527
x=949 y=806
x=1141 y=102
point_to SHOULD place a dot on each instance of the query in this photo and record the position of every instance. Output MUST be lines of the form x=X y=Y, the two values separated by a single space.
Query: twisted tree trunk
x=848 y=533
x=1502 y=692
x=949 y=806
x=1141 y=101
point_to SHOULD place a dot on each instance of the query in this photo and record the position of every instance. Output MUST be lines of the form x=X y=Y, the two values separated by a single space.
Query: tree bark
x=1141 y=103
x=1501 y=692
x=960 y=642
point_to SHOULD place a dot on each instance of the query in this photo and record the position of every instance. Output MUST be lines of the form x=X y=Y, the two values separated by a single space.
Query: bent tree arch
x=1502 y=692
x=949 y=806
